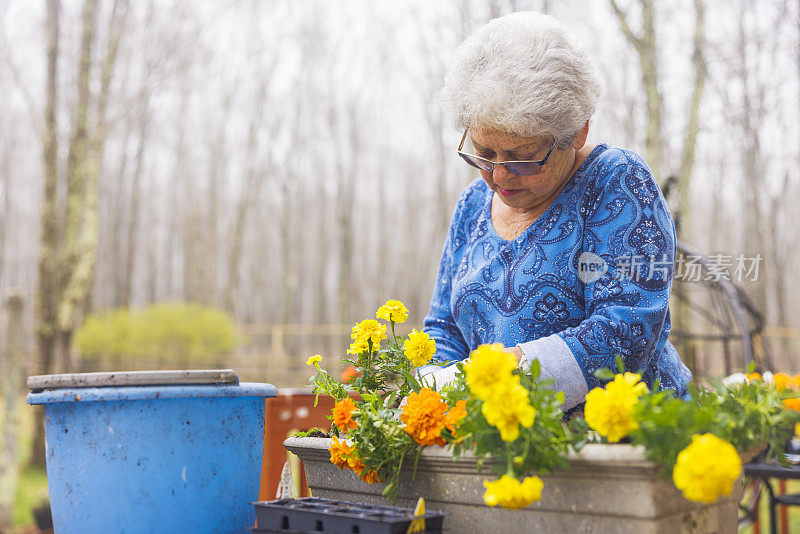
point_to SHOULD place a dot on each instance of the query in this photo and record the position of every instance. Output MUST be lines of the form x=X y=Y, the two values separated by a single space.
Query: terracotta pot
x=609 y=488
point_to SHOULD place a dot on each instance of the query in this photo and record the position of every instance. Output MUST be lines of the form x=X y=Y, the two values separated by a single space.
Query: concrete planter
x=609 y=488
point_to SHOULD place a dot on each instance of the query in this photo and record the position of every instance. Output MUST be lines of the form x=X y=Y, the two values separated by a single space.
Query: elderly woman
x=563 y=251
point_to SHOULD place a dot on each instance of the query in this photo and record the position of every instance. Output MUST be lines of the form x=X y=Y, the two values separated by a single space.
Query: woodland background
x=288 y=162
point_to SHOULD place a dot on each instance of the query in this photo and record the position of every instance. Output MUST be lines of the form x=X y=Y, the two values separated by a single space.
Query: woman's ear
x=580 y=139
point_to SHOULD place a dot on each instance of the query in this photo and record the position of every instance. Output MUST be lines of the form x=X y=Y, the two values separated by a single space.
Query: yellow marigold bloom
x=488 y=368
x=509 y=492
x=340 y=451
x=314 y=360
x=507 y=408
x=364 y=332
x=455 y=415
x=609 y=411
x=343 y=414
x=753 y=376
x=424 y=416
x=393 y=310
x=782 y=381
x=707 y=468
x=358 y=346
x=419 y=348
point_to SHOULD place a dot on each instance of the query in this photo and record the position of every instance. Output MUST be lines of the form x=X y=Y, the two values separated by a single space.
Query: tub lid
x=133 y=378
x=142 y=385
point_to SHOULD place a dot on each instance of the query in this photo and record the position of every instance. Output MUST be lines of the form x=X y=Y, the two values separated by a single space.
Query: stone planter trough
x=609 y=488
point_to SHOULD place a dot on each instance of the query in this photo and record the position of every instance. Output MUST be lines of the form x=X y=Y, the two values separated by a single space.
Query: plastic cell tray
x=313 y=514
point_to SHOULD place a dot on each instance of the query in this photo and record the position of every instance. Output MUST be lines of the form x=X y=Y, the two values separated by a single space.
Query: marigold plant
x=419 y=348
x=509 y=492
x=393 y=311
x=425 y=416
x=609 y=410
x=382 y=375
x=707 y=468
x=343 y=414
x=512 y=421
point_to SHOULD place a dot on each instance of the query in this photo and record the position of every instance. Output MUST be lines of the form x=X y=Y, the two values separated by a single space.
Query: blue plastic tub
x=154 y=458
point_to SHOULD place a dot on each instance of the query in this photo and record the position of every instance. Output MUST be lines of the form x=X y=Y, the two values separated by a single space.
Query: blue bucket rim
x=129 y=393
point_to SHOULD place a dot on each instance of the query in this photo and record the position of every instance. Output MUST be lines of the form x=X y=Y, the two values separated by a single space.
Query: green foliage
x=747 y=415
x=385 y=376
x=540 y=448
x=307 y=433
x=667 y=424
x=382 y=443
x=186 y=333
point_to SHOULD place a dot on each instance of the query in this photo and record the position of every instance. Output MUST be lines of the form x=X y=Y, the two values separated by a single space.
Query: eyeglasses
x=522 y=168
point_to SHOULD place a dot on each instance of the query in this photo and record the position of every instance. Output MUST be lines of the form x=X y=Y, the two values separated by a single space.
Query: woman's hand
x=516 y=351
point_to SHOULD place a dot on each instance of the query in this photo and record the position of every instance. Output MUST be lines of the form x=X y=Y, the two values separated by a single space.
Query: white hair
x=522 y=74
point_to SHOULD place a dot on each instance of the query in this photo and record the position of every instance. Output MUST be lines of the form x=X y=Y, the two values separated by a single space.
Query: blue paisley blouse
x=588 y=280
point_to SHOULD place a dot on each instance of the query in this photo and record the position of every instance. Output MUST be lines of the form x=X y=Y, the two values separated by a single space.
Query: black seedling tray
x=313 y=514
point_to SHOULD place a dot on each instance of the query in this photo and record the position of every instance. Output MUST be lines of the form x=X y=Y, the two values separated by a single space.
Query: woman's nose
x=501 y=175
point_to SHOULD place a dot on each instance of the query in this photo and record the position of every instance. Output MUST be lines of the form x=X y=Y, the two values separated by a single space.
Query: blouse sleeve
x=451 y=346
x=626 y=266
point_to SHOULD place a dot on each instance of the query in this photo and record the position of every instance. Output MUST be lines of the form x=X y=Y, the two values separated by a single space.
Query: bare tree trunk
x=11 y=391
x=645 y=45
x=345 y=192
x=250 y=193
x=751 y=118
x=134 y=206
x=80 y=224
x=218 y=163
x=47 y=294
x=684 y=227
x=83 y=180
x=115 y=214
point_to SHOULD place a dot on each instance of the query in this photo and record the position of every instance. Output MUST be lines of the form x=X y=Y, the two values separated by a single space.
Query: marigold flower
x=370 y=476
x=340 y=451
x=349 y=373
x=509 y=492
x=609 y=411
x=424 y=416
x=707 y=468
x=355 y=463
x=792 y=403
x=488 y=368
x=419 y=348
x=507 y=409
x=455 y=415
x=393 y=310
x=781 y=381
x=364 y=332
x=753 y=376
x=314 y=360
x=343 y=414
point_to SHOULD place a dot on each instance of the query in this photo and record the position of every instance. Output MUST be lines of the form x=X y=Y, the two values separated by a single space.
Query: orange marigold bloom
x=339 y=453
x=793 y=403
x=350 y=373
x=424 y=416
x=455 y=415
x=343 y=414
x=371 y=476
x=753 y=376
x=355 y=463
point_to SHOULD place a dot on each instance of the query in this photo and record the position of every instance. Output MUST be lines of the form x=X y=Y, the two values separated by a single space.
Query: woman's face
x=524 y=193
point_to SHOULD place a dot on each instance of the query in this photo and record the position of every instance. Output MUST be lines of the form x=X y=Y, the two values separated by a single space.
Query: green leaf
x=604 y=374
